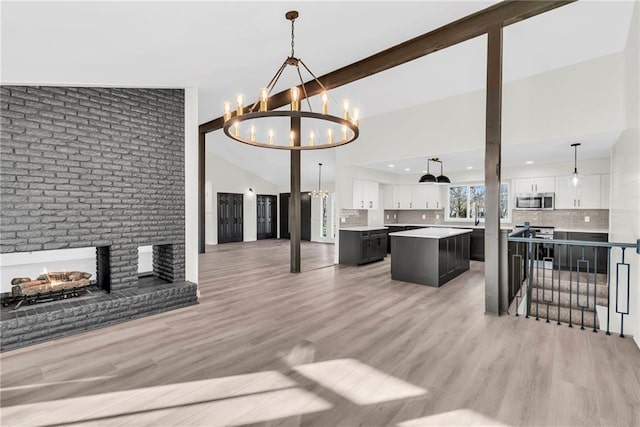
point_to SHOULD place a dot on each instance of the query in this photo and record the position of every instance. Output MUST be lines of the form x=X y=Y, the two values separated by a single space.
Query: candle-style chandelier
x=241 y=125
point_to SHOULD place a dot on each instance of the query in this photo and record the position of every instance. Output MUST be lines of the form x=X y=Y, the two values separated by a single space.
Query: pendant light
x=441 y=178
x=428 y=177
x=319 y=192
x=575 y=178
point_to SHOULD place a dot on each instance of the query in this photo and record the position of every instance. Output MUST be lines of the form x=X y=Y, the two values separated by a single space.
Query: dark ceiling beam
x=501 y=14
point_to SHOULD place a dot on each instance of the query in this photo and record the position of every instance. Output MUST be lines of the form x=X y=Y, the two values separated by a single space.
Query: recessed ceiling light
x=529 y=162
x=392 y=166
x=407 y=169
x=424 y=171
x=469 y=168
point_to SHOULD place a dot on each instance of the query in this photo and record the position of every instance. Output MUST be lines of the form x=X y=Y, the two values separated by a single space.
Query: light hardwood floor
x=372 y=351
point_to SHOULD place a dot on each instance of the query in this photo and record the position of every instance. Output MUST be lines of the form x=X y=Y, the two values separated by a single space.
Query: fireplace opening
x=43 y=276
x=156 y=264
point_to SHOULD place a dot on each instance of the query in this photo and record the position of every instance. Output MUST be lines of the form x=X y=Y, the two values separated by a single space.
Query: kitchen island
x=429 y=256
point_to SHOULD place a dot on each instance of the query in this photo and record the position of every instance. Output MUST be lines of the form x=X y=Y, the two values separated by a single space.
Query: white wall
x=191 y=184
x=224 y=177
x=625 y=176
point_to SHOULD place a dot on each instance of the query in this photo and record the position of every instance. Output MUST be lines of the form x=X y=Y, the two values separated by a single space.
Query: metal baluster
x=570 y=285
x=623 y=313
x=537 y=281
x=559 y=278
x=529 y=266
x=595 y=286
x=608 y=289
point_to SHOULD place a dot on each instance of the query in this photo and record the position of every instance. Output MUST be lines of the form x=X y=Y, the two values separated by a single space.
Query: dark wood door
x=230 y=218
x=305 y=215
x=267 y=216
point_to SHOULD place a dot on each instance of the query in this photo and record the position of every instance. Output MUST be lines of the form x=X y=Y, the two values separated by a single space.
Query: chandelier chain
x=293 y=21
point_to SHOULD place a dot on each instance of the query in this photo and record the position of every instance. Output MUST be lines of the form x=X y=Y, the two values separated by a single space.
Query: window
x=468 y=201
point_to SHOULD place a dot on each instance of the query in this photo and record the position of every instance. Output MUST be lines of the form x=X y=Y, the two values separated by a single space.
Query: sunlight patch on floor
x=458 y=418
x=247 y=397
x=357 y=382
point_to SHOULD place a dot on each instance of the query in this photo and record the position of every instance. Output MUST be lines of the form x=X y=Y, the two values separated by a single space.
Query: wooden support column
x=202 y=164
x=295 y=219
x=492 y=170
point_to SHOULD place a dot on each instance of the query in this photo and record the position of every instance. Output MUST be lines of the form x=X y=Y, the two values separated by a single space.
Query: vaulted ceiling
x=228 y=47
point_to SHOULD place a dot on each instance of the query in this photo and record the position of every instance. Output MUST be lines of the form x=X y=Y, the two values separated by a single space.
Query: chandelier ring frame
x=236 y=120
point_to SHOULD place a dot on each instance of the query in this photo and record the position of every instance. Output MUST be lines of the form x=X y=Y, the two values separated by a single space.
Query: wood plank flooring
x=393 y=353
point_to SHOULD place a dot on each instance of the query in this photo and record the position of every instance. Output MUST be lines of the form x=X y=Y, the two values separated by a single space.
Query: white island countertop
x=432 y=233
x=364 y=228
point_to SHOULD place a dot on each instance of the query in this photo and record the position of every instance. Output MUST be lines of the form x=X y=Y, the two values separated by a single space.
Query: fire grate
x=47 y=287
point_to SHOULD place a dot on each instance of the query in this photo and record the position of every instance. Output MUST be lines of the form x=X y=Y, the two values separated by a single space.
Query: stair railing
x=538 y=268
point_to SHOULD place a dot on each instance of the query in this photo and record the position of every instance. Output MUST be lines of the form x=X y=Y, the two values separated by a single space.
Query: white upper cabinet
x=402 y=197
x=535 y=185
x=585 y=196
x=365 y=194
x=387 y=196
x=419 y=197
x=434 y=196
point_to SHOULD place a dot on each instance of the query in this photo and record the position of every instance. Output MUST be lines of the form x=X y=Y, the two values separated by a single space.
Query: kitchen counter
x=582 y=230
x=431 y=233
x=471 y=226
x=364 y=228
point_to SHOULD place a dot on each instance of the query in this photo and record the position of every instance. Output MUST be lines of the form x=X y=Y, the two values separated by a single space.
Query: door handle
x=574 y=203
x=398 y=205
x=410 y=204
x=427 y=205
x=370 y=203
x=578 y=202
x=362 y=203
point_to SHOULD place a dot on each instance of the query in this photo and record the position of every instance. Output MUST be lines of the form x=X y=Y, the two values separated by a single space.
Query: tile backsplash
x=560 y=218
x=565 y=218
x=353 y=218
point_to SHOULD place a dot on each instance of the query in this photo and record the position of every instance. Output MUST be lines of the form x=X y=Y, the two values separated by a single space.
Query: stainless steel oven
x=535 y=201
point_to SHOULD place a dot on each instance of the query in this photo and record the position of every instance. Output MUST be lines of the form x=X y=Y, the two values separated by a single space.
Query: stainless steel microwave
x=535 y=201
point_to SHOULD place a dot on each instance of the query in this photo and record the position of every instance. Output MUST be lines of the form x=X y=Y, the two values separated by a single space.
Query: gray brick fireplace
x=102 y=168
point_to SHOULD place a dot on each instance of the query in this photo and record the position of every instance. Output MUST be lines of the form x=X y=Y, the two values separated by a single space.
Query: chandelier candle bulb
x=345 y=105
x=344 y=132
x=325 y=102
x=236 y=129
x=292 y=137
x=227 y=111
x=252 y=133
x=311 y=138
x=329 y=136
x=264 y=95
x=356 y=116
x=295 y=99
x=270 y=137
x=240 y=101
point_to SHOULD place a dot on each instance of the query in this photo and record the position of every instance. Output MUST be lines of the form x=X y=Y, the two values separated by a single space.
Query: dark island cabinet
x=361 y=247
x=477 y=245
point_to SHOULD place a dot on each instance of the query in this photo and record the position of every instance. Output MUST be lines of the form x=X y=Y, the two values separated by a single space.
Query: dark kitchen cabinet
x=477 y=245
x=568 y=256
x=361 y=247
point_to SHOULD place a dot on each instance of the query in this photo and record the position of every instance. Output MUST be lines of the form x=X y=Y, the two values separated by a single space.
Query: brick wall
x=93 y=167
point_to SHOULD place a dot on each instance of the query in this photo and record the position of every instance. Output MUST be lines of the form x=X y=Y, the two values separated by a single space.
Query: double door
x=267 y=217
x=230 y=217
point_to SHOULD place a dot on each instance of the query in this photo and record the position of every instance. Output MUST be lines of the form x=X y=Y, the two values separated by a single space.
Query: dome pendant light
x=575 y=178
x=428 y=178
x=442 y=179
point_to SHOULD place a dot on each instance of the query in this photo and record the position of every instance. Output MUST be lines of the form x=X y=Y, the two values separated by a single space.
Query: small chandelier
x=429 y=178
x=319 y=192
x=339 y=131
x=575 y=178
